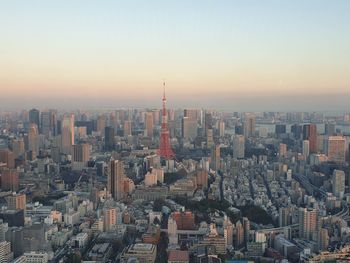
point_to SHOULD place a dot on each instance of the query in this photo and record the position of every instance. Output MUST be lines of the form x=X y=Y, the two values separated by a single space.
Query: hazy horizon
x=239 y=55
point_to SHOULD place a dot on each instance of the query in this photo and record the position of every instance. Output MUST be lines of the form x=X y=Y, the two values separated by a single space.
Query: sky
x=234 y=54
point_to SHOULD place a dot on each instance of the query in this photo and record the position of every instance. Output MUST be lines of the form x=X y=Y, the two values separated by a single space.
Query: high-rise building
x=81 y=155
x=16 y=201
x=210 y=138
x=238 y=146
x=34 y=117
x=246 y=226
x=284 y=216
x=15 y=236
x=283 y=150
x=184 y=220
x=101 y=124
x=221 y=128
x=297 y=131
x=127 y=128
x=67 y=134
x=306 y=148
x=33 y=139
x=110 y=218
x=3 y=229
x=49 y=123
x=239 y=240
x=208 y=122
x=5 y=252
x=7 y=157
x=310 y=134
x=116 y=179
x=228 y=232
x=109 y=138
x=149 y=124
x=307 y=223
x=323 y=239
x=249 y=125
x=336 y=149
x=9 y=180
x=18 y=147
x=329 y=129
x=202 y=178
x=192 y=114
x=338 y=183
x=280 y=129
x=189 y=128
x=215 y=158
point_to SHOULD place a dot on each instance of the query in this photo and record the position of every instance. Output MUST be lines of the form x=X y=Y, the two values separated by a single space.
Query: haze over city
x=175 y=131
x=237 y=55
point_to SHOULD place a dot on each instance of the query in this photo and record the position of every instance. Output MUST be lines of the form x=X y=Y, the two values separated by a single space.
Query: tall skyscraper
x=323 y=239
x=335 y=146
x=127 y=128
x=67 y=134
x=34 y=117
x=307 y=223
x=149 y=124
x=246 y=226
x=210 y=138
x=208 y=122
x=329 y=129
x=101 y=124
x=310 y=134
x=81 y=154
x=221 y=128
x=249 y=125
x=18 y=147
x=189 y=128
x=297 y=131
x=7 y=156
x=306 y=149
x=109 y=138
x=33 y=139
x=215 y=157
x=239 y=234
x=49 y=123
x=165 y=150
x=228 y=232
x=285 y=218
x=338 y=183
x=238 y=146
x=116 y=179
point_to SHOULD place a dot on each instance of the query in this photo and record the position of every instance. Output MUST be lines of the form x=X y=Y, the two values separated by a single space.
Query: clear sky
x=228 y=54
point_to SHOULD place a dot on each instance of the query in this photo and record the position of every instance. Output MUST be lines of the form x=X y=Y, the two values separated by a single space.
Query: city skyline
x=235 y=55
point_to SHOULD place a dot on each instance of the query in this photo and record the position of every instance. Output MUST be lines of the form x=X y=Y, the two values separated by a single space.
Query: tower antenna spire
x=165 y=150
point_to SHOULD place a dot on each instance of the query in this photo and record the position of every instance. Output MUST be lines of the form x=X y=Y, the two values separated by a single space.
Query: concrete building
x=338 y=183
x=116 y=179
x=143 y=253
x=336 y=149
x=307 y=223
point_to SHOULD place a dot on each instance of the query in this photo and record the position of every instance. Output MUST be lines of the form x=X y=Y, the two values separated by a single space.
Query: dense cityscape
x=174 y=185
x=180 y=131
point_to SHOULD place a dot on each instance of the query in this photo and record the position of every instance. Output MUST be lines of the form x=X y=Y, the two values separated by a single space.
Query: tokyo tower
x=165 y=150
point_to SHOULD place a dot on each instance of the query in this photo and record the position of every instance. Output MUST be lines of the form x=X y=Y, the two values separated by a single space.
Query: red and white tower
x=165 y=150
